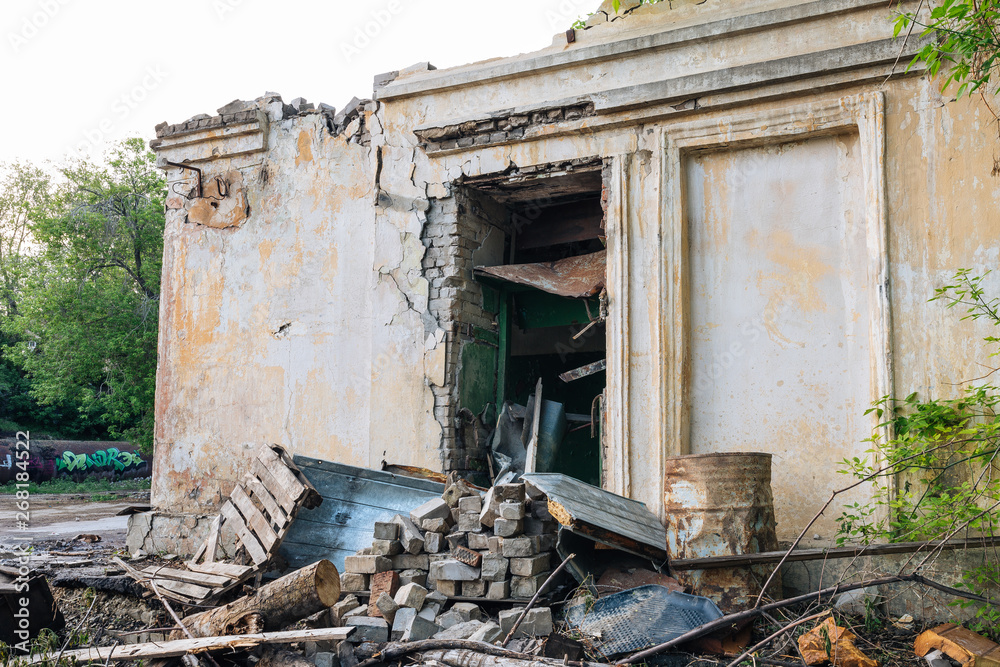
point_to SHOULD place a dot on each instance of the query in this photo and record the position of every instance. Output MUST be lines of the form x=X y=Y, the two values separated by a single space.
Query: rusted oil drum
x=721 y=505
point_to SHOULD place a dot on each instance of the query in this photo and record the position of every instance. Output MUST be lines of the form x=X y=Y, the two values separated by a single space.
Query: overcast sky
x=78 y=74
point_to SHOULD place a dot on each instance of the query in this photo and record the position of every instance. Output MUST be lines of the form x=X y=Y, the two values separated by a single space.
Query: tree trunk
x=280 y=657
x=277 y=605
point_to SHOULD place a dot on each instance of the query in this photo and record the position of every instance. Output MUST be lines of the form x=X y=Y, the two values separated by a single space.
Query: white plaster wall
x=269 y=332
x=780 y=355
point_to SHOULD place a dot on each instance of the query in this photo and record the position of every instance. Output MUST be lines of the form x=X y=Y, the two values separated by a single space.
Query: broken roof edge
x=271 y=104
x=657 y=30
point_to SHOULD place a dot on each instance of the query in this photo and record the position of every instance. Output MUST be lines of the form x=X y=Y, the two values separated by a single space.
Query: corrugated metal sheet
x=353 y=500
x=575 y=277
x=602 y=516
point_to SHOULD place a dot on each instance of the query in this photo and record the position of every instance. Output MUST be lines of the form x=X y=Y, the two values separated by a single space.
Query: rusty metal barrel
x=721 y=505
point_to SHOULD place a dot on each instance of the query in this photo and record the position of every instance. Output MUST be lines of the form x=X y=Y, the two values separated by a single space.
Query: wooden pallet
x=259 y=511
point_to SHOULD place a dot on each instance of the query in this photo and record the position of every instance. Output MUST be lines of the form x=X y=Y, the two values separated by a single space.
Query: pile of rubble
x=492 y=547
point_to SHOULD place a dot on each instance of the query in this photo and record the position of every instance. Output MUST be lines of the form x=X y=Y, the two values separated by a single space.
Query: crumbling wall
x=271 y=327
x=463 y=230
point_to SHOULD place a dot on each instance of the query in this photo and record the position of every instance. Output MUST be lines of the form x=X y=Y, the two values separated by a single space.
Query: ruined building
x=742 y=206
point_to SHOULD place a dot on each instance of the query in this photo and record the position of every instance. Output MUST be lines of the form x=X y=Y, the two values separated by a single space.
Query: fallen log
x=181 y=647
x=274 y=606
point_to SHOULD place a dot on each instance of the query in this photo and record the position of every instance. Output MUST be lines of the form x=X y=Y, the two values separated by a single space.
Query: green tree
x=86 y=325
x=965 y=44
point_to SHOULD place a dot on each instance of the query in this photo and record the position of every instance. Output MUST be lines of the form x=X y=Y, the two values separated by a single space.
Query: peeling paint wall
x=330 y=319
x=281 y=330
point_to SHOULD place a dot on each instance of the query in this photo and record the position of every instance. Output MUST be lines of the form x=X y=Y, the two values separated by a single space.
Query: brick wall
x=455 y=231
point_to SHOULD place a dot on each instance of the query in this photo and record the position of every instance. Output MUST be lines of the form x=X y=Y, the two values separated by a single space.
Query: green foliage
x=616 y=5
x=935 y=475
x=84 y=334
x=966 y=43
x=104 y=489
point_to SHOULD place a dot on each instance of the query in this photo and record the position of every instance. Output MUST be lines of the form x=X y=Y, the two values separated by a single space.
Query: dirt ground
x=61 y=517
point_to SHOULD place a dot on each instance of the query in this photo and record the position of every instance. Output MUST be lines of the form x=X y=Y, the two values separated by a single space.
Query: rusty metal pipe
x=196 y=170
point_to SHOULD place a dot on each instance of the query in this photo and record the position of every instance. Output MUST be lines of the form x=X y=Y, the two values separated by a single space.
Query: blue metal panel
x=353 y=500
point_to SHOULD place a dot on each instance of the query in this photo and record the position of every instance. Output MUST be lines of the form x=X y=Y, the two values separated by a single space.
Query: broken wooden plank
x=283 y=497
x=959 y=644
x=246 y=536
x=260 y=493
x=180 y=647
x=254 y=518
x=285 y=477
x=584 y=371
x=197 y=578
x=223 y=569
x=798 y=555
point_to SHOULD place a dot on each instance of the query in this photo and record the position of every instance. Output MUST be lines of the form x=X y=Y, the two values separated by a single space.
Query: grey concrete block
x=326 y=659
x=367 y=629
x=386 y=547
x=532 y=565
x=508 y=527
x=487 y=632
x=413 y=577
x=468 y=611
x=536 y=623
x=338 y=610
x=448 y=588
x=435 y=525
x=430 y=610
x=404 y=618
x=409 y=535
x=457 y=540
x=434 y=542
x=419 y=629
x=498 y=590
x=353 y=582
x=494 y=567
x=519 y=547
x=410 y=562
x=511 y=510
x=473 y=503
x=474 y=589
x=460 y=630
x=510 y=492
x=367 y=564
x=435 y=508
x=478 y=541
x=386 y=530
x=469 y=522
x=526 y=587
x=449 y=619
x=387 y=606
x=452 y=570
x=411 y=595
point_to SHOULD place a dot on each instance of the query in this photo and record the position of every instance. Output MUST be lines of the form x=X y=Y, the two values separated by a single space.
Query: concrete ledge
x=512 y=67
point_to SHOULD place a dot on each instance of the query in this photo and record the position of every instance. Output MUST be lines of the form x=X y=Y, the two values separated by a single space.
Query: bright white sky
x=78 y=74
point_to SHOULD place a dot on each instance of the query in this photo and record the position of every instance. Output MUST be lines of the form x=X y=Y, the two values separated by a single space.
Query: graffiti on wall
x=110 y=458
x=77 y=459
